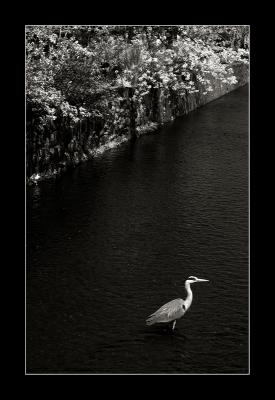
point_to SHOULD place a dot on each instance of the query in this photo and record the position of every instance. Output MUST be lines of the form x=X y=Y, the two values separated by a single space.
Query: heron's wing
x=168 y=312
x=169 y=307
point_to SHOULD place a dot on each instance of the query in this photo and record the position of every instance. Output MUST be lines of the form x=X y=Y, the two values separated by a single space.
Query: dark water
x=116 y=238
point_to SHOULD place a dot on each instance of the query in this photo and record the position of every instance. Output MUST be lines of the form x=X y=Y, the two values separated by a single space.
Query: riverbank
x=62 y=146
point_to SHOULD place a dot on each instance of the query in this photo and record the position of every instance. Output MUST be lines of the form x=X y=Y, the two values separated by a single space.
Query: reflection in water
x=115 y=239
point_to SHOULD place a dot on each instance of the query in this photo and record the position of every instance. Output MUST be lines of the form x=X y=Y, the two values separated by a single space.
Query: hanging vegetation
x=87 y=86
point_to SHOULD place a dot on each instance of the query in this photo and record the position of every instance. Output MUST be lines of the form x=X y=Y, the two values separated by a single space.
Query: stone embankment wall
x=61 y=146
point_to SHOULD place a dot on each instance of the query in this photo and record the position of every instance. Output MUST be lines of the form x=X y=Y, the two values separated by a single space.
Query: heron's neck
x=189 y=297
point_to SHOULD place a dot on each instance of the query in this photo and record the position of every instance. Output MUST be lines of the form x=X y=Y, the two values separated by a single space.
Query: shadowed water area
x=113 y=240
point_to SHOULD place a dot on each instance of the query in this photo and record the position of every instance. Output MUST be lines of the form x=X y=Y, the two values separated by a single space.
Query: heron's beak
x=202 y=280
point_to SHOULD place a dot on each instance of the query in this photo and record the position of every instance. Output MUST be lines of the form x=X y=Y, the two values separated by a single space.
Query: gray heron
x=174 y=309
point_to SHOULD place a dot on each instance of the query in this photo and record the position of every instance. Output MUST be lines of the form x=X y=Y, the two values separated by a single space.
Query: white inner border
x=26 y=373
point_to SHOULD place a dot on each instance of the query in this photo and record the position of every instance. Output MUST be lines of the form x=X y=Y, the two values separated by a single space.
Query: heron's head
x=194 y=279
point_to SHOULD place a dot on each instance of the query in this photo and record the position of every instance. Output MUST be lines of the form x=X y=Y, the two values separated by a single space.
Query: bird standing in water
x=174 y=309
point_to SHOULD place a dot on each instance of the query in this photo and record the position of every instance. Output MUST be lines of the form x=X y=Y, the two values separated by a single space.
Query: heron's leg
x=174 y=324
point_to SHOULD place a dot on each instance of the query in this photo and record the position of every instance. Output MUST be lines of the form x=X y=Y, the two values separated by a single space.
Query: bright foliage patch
x=72 y=71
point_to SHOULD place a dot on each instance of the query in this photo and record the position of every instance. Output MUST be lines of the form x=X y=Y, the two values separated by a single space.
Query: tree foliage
x=71 y=71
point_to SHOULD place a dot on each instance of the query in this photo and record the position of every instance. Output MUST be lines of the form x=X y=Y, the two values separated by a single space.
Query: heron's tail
x=153 y=319
x=150 y=321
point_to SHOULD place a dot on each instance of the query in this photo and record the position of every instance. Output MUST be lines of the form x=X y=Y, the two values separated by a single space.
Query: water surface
x=113 y=240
